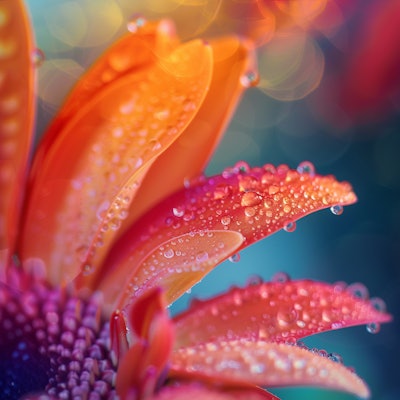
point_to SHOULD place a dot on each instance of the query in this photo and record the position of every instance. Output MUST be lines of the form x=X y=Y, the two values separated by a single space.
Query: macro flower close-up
x=108 y=217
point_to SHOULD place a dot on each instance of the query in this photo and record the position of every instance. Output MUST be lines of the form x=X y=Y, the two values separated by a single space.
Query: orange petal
x=185 y=236
x=274 y=311
x=16 y=114
x=188 y=155
x=90 y=173
x=238 y=363
x=196 y=391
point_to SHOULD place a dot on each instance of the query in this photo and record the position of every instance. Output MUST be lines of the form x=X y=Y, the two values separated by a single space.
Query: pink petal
x=239 y=363
x=196 y=391
x=16 y=114
x=185 y=236
x=274 y=311
x=85 y=179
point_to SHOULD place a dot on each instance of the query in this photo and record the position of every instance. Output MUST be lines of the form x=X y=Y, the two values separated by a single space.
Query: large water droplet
x=373 y=327
x=169 y=253
x=337 y=209
x=358 y=290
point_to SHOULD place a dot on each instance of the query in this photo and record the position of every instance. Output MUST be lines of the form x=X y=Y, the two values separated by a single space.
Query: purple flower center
x=53 y=342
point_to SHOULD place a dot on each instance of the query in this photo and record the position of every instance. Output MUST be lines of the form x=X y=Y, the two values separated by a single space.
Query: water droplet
x=378 y=304
x=373 y=327
x=234 y=258
x=87 y=269
x=249 y=79
x=286 y=317
x=169 y=253
x=202 y=256
x=242 y=167
x=250 y=199
x=337 y=209
x=225 y=220
x=280 y=277
x=306 y=167
x=38 y=57
x=249 y=211
x=290 y=226
x=178 y=211
x=335 y=357
x=222 y=191
x=254 y=280
x=358 y=290
x=135 y=23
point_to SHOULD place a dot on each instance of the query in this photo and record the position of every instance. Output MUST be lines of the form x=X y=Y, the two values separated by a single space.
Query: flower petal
x=151 y=336
x=75 y=208
x=274 y=311
x=196 y=144
x=16 y=114
x=196 y=391
x=217 y=216
x=260 y=363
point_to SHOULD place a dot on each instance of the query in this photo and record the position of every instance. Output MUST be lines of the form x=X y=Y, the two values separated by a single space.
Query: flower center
x=52 y=342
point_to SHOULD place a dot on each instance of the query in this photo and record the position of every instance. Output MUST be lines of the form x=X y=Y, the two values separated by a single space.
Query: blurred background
x=329 y=93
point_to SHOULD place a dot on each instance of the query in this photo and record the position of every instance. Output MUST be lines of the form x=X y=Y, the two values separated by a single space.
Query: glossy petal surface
x=274 y=311
x=195 y=146
x=151 y=336
x=16 y=113
x=216 y=216
x=261 y=363
x=76 y=208
x=199 y=392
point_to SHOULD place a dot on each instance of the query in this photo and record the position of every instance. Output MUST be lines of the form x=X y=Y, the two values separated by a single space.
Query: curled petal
x=75 y=209
x=226 y=213
x=16 y=114
x=274 y=311
x=267 y=364
x=151 y=339
x=196 y=391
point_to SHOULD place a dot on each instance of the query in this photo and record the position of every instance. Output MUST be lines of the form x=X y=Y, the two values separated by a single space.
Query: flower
x=108 y=220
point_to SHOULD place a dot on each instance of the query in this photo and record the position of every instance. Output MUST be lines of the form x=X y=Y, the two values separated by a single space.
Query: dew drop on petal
x=378 y=304
x=281 y=277
x=337 y=209
x=169 y=253
x=178 y=211
x=306 y=167
x=373 y=327
x=38 y=57
x=290 y=227
x=249 y=79
x=234 y=258
x=254 y=280
x=358 y=290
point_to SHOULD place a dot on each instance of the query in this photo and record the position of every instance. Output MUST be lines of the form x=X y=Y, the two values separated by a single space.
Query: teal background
x=362 y=245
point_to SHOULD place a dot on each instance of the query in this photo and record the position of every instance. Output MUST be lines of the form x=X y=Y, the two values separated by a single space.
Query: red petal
x=239 y=363
x=84 y=181
x=16 y=114
x=274 y=311
x=195 y=391
x=216 y=216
